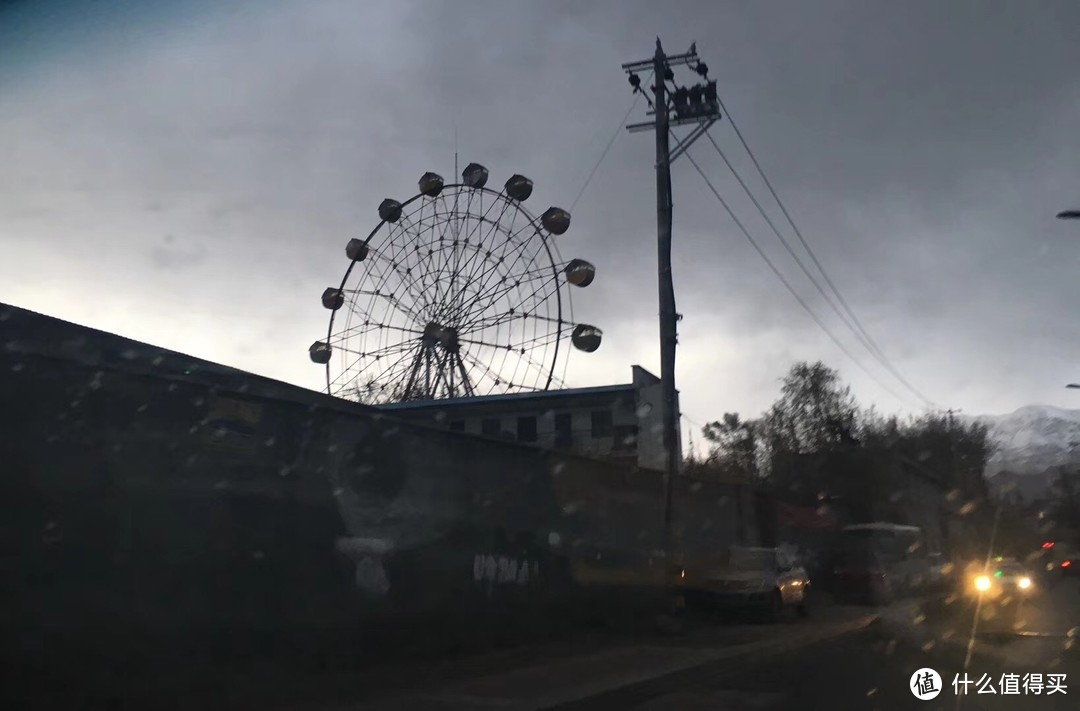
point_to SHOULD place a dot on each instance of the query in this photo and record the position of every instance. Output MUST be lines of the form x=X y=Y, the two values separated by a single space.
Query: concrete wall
x=157 y=503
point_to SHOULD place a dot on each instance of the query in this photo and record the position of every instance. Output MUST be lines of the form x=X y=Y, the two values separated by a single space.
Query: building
x=617 y=422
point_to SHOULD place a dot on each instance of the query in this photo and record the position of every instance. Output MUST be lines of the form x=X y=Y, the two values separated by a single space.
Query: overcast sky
x=188 y=175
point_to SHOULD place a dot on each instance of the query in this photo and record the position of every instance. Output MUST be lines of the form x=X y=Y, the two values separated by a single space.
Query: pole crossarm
x=673 y=60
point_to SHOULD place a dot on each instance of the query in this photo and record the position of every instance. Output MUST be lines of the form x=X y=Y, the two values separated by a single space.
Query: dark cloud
x=922 y=147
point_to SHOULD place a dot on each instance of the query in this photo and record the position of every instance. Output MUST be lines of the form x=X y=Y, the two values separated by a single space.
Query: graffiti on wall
x=504 y=570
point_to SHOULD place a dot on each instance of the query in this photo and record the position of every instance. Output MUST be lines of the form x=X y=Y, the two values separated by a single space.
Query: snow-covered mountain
x=1033 y=439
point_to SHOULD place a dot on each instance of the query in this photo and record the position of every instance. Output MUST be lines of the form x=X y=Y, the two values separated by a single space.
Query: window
x=564 y=429
x=457 y=426
x=601 y=423
x=526 y=429
x=491 y=427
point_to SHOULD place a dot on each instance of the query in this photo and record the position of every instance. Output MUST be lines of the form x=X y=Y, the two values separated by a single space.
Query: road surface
x=872 y=669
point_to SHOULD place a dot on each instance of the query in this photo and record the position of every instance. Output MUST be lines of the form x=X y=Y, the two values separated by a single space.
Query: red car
x=859 y=576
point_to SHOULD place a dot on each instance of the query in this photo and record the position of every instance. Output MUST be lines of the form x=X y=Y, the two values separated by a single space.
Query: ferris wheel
x=459 y=291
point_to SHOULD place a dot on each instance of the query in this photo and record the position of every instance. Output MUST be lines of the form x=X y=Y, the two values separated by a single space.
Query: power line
x=783 y=241
x=869 y=340
x=607 y=148
x=783 y=280
x=859 y=334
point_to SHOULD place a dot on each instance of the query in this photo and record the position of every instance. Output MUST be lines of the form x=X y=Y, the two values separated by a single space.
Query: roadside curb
x=545 y=693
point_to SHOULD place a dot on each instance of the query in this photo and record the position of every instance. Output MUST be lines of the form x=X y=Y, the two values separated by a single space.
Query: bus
x=901 y=550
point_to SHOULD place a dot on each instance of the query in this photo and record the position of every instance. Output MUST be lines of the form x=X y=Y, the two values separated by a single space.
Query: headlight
x=982 y=583
x=1024 y=583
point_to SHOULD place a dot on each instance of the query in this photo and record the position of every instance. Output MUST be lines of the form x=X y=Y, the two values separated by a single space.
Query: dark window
x=491 y=426
x=601 y=423
x=526 y=427
x=564 y=429
x=457 y=426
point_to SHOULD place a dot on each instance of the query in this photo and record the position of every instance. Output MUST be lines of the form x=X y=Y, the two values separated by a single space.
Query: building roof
x=510 y=397
x=32 y=334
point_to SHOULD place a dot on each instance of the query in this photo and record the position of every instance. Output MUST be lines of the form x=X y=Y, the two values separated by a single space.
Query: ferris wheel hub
x=445 y=336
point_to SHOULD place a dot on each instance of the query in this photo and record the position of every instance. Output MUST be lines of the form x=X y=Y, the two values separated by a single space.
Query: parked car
x=859 y=575
x=762 y=579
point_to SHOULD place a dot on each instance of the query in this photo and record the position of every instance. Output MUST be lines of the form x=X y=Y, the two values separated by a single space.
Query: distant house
x=616 y=422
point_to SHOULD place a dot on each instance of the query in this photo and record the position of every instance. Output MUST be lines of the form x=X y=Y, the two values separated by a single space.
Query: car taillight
x=1066 y=563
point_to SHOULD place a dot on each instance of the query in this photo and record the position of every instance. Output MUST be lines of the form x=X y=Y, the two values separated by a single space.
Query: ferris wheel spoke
x=487 y=318
x=533 y=342
x=527 y=304
x=486 y=291
x=404 y=358
x=378 y=353
x=375 y=356
x=541 y=369
x=371 y=327
x=439 y=228
x=393 y=262
x=475 y=268
x=516 y=344
x=522 y=305
x=469 y=267
x=502 y=258
x=421 y=268
x=554 y=282
x=482 y=324
x=542 y=274
x=492 y=265
x=405 y=311
x=450 y=295
x=496 y=378
x=411 y=252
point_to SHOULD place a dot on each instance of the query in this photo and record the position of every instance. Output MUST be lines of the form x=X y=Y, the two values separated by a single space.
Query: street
x=842 y=657
x=872 y=669
x=832 y=661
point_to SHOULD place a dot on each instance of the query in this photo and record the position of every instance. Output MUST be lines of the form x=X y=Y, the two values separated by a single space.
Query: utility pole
x=683 y=105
